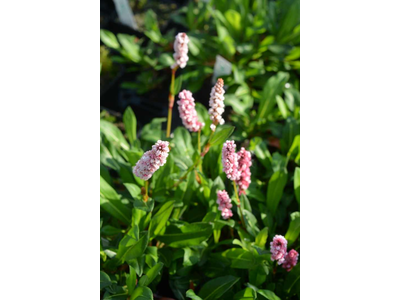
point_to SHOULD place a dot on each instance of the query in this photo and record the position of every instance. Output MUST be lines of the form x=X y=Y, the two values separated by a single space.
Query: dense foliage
x=176 y=244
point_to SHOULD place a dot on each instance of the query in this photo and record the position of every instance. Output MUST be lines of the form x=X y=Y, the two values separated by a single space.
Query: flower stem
x=171 y=98
x=146 y=188
x=240 y=207
x=199 y=148
x=198 y=140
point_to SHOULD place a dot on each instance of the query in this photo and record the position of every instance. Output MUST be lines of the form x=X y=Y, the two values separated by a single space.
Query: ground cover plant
x=210 y=209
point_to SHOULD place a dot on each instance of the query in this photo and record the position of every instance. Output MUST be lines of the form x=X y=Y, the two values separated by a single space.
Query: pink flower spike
x=278 y=249
x=290 y=260
x=230 y=161
x=217 y=105
x=225 y=204
x=244 y=160
x=187 y=111
x=181 y=50
x=152 y=160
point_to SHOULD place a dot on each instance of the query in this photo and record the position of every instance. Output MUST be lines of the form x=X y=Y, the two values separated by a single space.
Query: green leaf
x=275 y=190
x=187 y=235
x=160 y=219
x=104 y=280
x=292 y=278
x=246 y=294
x=131 y=280
x=240 y=258
x=110 y=202
x=192 y=295
x=297 y=184
x=109 y=39
x=131 y=48
x=146 y=206
x=129 y=119
x=177 y=85
x=166 y=60
x=221 y=135
x=151 y=274
x=295 y=148
x=107 y=191
x=152 y=132
x=261 y=238
x=134 y=250
x=250 y=222
x=294 y=228
x=262 y=153
x=268 y=294
x=190 y=257
x=113 y=134
x=142 y=293
x=133 y=189
x=282 y=106
x=233 y=20
x=215 y=288
x=116 y=209
x=183 y=142
x=272 y=88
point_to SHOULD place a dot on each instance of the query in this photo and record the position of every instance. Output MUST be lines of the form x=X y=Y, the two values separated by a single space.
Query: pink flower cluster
x=152 y=160
x=278 y=249
x=225 y=204
x=217 y=106
x=279 y=253
x=181 y=50
x=230 y=161
x=187 y=111
x=244 y=161
x=290 y=260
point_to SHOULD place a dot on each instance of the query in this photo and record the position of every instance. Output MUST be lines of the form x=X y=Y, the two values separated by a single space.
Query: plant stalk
x=240 y=207
x=146 y=188
x=171 y=98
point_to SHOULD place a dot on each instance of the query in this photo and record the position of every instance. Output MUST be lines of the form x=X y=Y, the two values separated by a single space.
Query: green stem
x=240 y=207
x=146 y=187
x=171 y=98
x=199 y=148
x=198 y=140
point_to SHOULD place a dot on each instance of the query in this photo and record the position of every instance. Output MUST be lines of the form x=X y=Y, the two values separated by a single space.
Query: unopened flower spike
x=278 y=249
x=217 y=106
x=224 y=204
x=244 y=161
x=152 y=160
x=290 y=260
x=230 y=161
x=187 y=111
x=181 y=50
